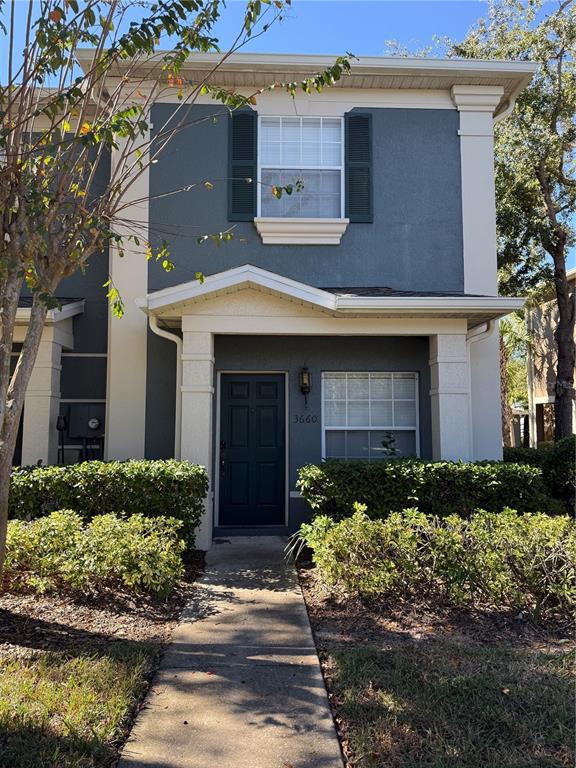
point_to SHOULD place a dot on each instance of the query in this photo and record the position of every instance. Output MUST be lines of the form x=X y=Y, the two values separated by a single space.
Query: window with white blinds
x=301 y=149
x=370 y=415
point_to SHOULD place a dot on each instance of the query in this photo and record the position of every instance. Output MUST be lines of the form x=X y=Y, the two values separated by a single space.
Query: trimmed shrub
x=61 y=552
x=523 y=455
x=559 y=468
x=437 y=488
x=558 y=464
x=151 y=488
x=521 y=561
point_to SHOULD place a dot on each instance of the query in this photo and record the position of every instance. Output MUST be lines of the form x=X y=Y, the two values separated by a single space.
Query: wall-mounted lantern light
x=305 y=382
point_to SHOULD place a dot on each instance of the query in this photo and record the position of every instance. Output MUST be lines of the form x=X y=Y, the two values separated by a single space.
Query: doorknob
x=222 y=454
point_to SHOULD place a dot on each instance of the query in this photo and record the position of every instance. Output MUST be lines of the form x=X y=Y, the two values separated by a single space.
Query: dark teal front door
x=252 y=450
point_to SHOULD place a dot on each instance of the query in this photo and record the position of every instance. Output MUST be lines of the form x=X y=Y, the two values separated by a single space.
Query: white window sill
x=281 y=231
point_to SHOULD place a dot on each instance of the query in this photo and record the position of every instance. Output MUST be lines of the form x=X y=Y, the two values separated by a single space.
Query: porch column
x=450 y=397
x=42 y=403
x=197 y=408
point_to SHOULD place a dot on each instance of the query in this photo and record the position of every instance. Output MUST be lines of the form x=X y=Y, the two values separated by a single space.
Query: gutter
x=155 y=328
x=511 y=100
x=479 y=335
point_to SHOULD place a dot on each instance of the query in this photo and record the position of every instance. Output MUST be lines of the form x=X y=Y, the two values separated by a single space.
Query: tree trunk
x=13 y=411
x=6 y=454
x=504 y=399
x=564 y=336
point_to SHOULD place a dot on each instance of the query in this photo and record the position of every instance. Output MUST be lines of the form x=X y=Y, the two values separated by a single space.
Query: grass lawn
x=73 y=712
x=420 y=685
x=74 y=671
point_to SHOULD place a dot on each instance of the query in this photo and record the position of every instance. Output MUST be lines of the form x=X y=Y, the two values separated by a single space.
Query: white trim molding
x=477 y=106
x=125 y=432
x=284 y=231
x=477 y=98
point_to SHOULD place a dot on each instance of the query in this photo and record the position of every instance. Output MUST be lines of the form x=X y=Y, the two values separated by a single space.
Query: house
x=354 y=318
x=542 y=358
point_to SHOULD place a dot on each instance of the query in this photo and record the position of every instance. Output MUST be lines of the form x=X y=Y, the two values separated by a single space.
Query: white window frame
x=360 y=428
x=302 y=166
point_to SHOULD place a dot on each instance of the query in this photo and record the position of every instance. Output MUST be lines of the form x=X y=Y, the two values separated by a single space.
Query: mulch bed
x=90 y=623
x=396 y=621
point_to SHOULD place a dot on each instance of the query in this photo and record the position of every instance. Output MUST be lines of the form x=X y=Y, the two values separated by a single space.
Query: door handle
x=222 y=454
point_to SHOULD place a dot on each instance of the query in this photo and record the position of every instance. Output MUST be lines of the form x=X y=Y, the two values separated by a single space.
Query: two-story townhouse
x=351 y=319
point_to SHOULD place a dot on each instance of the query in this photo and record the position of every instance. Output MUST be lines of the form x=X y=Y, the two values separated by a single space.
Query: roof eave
x=53 y=315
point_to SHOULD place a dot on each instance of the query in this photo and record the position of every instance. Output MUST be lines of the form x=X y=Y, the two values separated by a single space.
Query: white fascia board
x=53 y=315
x=239 y=277
x=497 y=305
x=380 y=64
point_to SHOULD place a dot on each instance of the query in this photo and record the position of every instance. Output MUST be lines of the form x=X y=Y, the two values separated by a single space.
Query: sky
x=360 y=26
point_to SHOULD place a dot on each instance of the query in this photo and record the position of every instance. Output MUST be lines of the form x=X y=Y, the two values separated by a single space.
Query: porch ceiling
x=172 y=303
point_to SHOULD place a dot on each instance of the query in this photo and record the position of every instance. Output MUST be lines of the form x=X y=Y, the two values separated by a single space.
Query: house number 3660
x=305 y=418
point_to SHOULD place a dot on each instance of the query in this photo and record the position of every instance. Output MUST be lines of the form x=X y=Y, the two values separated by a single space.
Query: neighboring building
x=542 y=359
x=355 y=314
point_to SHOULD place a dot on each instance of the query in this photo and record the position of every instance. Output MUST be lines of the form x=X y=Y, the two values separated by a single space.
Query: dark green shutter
x=359 y=204
x=242 y=165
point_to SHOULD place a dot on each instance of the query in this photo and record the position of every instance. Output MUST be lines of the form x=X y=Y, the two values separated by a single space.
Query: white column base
x=450 y=397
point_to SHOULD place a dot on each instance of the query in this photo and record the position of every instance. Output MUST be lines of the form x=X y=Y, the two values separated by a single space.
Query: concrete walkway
x=240 y=686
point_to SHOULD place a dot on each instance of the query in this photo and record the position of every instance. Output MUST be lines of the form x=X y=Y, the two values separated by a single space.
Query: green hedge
x=438 y=488
x=521 y=561
x=523 y=455
x=151 y=488
x=60 y=551
x=559 y=468
x=558 y=463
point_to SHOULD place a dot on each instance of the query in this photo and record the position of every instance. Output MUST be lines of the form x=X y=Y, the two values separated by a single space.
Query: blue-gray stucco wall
x=321 y=353
x=414 y=243
x=160 y=398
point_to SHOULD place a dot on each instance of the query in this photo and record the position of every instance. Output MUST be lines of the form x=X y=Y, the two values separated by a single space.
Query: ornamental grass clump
x=62 y=553
x=525 y=562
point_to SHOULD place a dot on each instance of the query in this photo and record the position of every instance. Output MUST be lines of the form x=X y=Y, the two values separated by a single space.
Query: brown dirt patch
x=347 y=620
x=89 y=623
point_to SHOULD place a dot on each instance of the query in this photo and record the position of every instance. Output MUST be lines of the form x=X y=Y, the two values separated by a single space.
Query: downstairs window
x=370 y=415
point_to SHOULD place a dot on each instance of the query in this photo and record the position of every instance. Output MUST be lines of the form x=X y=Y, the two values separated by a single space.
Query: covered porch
x=250 y=322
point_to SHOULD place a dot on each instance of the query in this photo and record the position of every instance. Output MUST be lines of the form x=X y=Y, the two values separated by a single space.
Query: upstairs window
x=370 y=415
x=306 y=149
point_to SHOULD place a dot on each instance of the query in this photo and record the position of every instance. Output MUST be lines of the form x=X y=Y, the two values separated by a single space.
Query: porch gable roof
x=345 y=302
